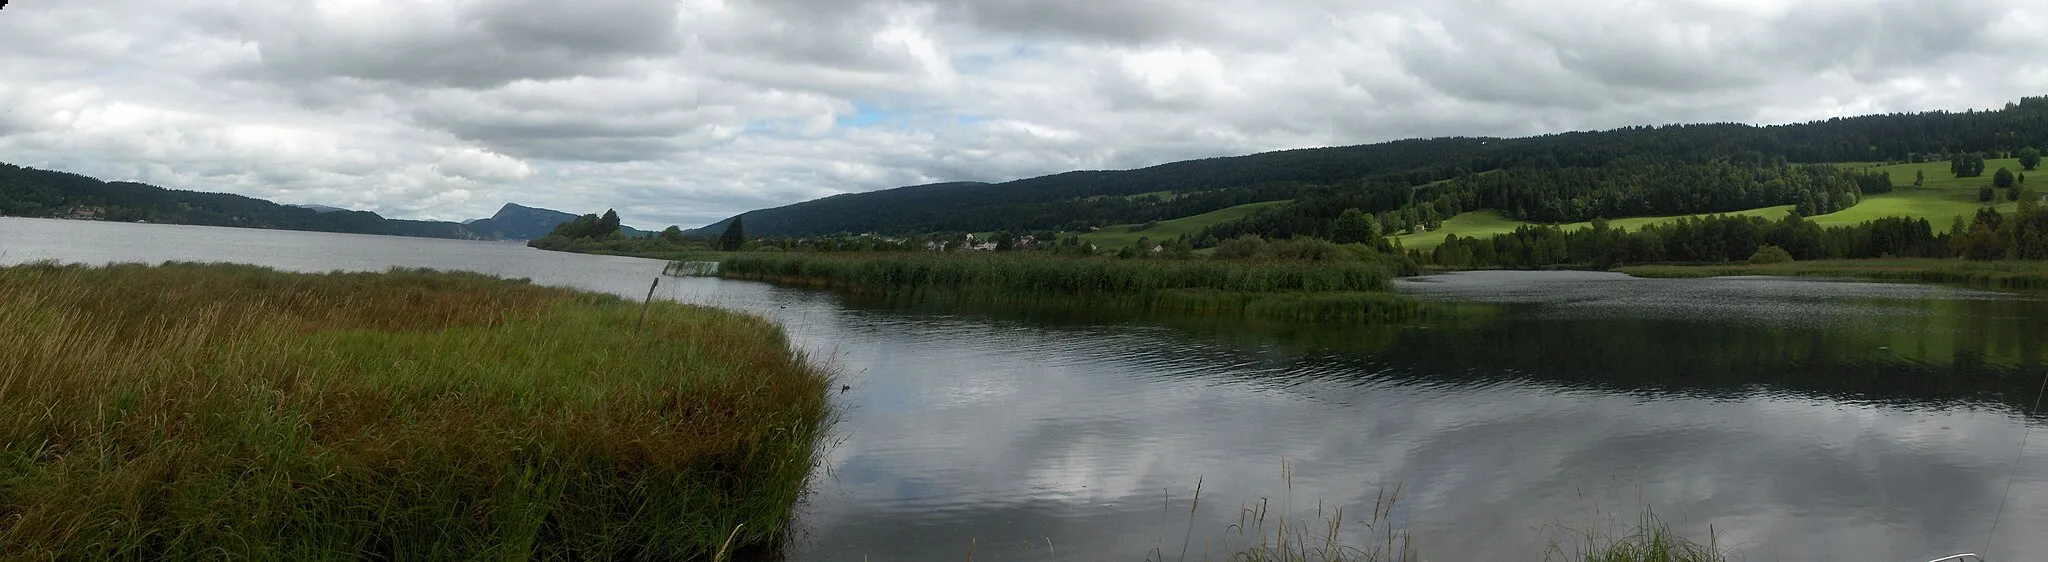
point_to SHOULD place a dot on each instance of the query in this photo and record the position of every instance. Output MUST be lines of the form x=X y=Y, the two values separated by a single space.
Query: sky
x=689 y=111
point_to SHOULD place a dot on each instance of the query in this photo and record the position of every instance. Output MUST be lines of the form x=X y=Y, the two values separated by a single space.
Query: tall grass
x=1648 y=540
x=1025 y=275
x=217 y=411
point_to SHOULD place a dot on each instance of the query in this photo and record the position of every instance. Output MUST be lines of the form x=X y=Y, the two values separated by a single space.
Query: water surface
x=1801 y=419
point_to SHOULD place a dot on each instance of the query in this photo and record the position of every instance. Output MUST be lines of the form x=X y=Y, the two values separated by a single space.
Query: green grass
x=195 y=411
x=1120 y=236
x=2004 y=274
x=1942 y=199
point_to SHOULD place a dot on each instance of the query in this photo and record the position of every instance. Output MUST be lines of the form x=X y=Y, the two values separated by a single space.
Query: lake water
x=1800 y=420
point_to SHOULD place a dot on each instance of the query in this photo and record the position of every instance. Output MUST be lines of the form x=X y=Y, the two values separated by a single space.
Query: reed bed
x=190 y=411
x=1027 y=275
x=1306 y=291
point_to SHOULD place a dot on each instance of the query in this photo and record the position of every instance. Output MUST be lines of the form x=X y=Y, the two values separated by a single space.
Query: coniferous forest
x=1673 y=169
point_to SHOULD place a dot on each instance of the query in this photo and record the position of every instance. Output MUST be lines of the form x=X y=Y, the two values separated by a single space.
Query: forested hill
x=30 y=192
x=1385 y=177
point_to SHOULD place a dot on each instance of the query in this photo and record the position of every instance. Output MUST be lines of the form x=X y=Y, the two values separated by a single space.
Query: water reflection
x=1804 y=420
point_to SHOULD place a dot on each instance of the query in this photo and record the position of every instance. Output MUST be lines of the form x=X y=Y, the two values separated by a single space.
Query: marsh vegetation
x=198 y=411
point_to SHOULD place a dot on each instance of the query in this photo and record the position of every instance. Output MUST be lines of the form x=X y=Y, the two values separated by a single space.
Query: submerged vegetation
x=2002 y=274
x=1268 y=530
x=218 y=411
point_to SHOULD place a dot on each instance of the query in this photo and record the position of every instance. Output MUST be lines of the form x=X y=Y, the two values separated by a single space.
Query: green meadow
x=1120 y=236
x=1941 y=199
x=189 y=411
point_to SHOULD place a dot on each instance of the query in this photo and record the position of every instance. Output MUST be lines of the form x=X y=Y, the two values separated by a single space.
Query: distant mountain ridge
x=519 y=222
x=31 y=192
x=1381 y=177
x=317 y=208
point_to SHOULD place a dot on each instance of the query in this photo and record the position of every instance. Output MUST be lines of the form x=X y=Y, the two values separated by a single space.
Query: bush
x=1242 y=247
x=1767 y=254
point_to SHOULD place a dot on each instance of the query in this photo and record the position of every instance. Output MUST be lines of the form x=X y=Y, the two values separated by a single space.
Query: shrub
x=1767 y=254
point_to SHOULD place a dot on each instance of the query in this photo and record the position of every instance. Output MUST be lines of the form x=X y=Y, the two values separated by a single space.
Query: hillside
x=1940 y=200
x=1385 y=177
x=518 y=222
x=1126 y=235
x=30 y=192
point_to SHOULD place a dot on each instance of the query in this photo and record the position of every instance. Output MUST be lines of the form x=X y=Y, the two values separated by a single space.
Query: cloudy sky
x=688 y=111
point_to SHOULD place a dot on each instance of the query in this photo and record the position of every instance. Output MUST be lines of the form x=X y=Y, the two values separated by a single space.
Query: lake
x=1798 y=419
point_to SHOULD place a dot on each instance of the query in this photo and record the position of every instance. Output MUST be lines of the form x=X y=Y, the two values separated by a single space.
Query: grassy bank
x=2000 y=274
x=216 y=411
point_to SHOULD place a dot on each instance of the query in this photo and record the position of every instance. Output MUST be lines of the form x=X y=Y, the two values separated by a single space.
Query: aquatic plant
x=1647 y=540
x=1028 y=275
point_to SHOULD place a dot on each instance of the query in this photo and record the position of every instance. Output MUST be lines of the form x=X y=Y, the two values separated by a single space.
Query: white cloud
x=687 y=111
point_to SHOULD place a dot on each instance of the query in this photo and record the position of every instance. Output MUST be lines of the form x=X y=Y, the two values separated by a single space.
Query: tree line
x=1729 y=238
x=1625 y=188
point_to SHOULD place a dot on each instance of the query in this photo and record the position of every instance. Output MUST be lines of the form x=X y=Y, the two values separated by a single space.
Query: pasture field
x=1111 y=238
x=1940 y=199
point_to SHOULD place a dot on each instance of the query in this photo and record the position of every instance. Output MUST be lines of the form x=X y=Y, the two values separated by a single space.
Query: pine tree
x=734 y=237
x=607 y=225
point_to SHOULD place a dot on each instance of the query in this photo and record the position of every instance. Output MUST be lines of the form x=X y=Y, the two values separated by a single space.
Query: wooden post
x=637 y=327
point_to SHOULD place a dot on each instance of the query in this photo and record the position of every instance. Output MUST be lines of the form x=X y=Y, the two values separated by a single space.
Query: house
x=84 y=213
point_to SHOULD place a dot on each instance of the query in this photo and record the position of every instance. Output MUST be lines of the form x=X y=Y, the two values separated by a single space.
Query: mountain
x=1386 y=177
x=320 y=208
x=518 y=222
